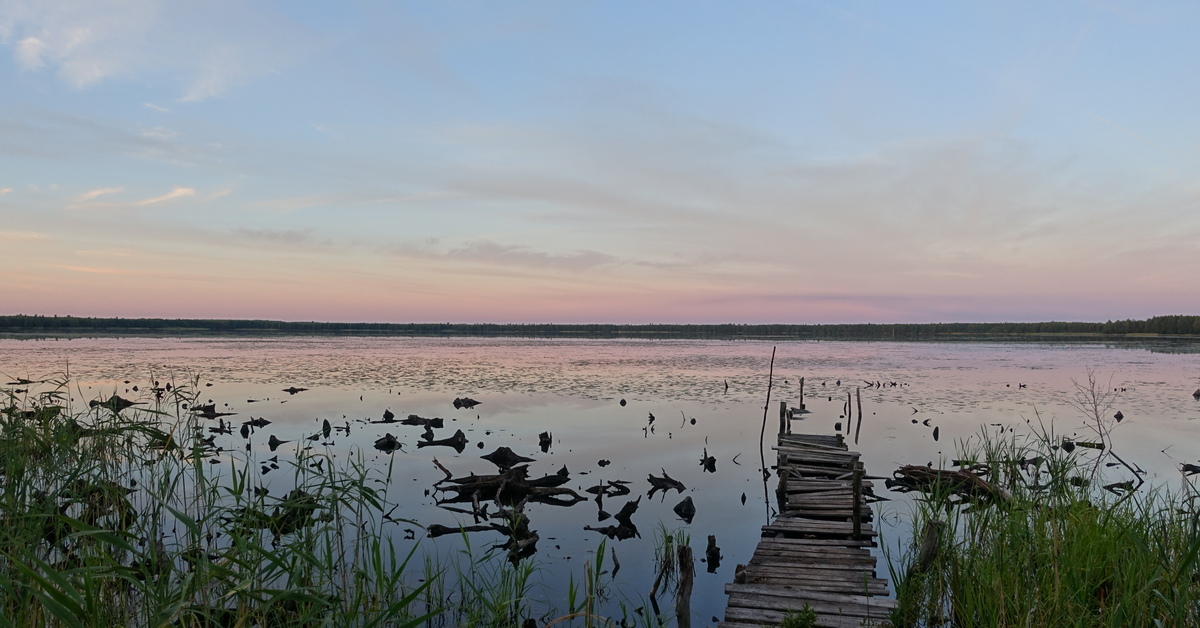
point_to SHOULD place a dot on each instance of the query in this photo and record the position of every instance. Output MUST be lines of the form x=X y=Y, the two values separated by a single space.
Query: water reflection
x=556 y=405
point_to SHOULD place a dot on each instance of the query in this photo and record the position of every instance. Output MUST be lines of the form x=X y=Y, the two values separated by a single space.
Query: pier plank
x=809 y=553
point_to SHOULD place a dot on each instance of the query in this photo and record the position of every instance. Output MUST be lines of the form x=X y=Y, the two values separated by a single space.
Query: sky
x=601 y=161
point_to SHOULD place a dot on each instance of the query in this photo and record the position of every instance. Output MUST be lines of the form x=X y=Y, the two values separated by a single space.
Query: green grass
x=1063 y=551
x=118 y=517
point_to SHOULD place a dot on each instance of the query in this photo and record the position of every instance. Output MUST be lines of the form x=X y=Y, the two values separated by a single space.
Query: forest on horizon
x=72 y=325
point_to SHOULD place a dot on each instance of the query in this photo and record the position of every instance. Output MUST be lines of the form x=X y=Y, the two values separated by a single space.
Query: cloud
x=158 y=108
x=208 y=47
x=173 y=194
x=22 y=236
x=276 y=236
x=94 y=194
x=487 y=253
x=4 y=191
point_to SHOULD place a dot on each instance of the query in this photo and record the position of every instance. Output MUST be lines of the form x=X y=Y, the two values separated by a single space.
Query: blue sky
x=599 y=161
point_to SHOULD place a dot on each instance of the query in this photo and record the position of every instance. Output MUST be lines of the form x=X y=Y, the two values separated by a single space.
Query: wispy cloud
x=4 y=191
x=94 y=194
x=211 y=47
x=22 y=236
x=158 y=108
x=178 y=192
x=488 y=253
x=276 y=236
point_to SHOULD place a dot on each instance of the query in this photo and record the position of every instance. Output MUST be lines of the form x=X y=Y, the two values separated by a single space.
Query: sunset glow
x=617 y=162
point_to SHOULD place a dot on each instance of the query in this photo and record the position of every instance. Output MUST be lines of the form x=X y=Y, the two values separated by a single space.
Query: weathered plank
x=809 y=553
x=761 y=617
x=805 y=593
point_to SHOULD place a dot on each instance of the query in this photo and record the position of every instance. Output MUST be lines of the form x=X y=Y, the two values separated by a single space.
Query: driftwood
x=625 y=528
x=511 y=486
x=615 y=488
x=545 y=439
x=388 y=443
x=664 y=484
x=464 y=402
x=435 y=422
x=558 y=479
x=505 y=458
x=708 y=462
x=964 y=484
x=458 y=442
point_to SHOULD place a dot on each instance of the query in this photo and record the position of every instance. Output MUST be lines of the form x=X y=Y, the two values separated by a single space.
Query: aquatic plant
x=1061 y=548
x=127 y=512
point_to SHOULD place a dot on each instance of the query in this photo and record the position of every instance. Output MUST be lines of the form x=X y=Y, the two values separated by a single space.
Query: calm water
x=572 y=388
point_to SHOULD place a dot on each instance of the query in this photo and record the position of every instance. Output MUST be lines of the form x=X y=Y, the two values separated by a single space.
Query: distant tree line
x=1158 y=325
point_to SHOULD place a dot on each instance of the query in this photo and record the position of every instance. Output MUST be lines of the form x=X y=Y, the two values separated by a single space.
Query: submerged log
x=961 y=483
x=511 y=486
x=505 y=458
x=558 y=479
x=458 y=442
x=435 y=422
x=388 y=443
x=664 y=484
x=464 y=402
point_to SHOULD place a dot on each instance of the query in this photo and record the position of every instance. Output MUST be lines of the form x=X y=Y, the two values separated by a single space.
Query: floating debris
x=544 y=441
x=274 y=442
x=114 y=403
x=686 y=509
x=558 y=479
x=664 y=484
x=712 y=554
x=388 y=443
x=708 y=462
x=293 y=390
x=505 y=458
x=435 y=422
x=458 y=442
x=464 y=402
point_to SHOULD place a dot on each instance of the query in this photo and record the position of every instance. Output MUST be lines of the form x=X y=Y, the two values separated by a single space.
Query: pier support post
x=784 y=428
x=859 y=471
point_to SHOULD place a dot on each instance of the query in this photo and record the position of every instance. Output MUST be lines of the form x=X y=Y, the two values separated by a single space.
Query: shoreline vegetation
x=125 y=512
x=1158 y=327
x=1046 y=529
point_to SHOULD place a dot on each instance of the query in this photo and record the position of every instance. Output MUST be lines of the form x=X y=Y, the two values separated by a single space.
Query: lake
x=705 y=396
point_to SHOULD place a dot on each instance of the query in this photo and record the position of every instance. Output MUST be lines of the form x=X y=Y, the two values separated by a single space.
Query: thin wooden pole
x=762 y=456
x=858 y=396
x=849 y=414
x=783 y=421
x=802 y=408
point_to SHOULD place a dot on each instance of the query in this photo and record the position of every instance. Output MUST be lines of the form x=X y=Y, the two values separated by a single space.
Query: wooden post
x=849 y=414
x=858 y=478
x=858 y=396
x=783 y=421
x=683 y=595
x=802 y=409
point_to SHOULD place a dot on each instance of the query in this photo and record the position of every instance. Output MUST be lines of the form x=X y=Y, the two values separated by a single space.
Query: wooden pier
x=816 y=551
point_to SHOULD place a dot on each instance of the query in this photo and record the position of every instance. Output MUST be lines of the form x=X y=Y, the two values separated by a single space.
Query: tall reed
x=1056 y=545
